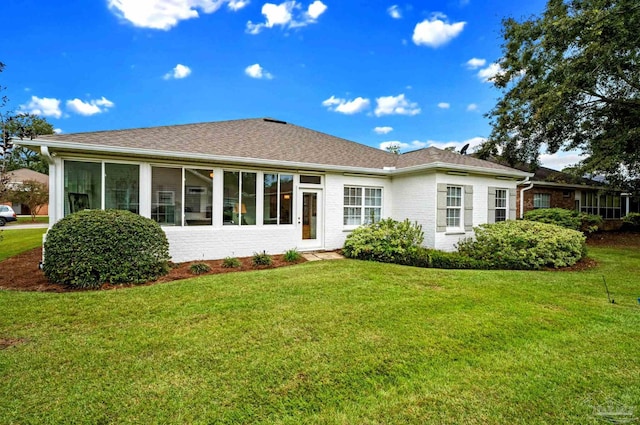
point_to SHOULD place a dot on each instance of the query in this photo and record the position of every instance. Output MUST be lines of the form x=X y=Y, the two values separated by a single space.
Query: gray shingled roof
x=264 y=139
x=432 y=154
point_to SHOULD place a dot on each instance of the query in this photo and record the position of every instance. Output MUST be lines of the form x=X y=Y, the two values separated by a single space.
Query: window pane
x=121 y=183
x=352 y=216
x=453 y=217
x=231 y=208
x=249 y=198
x=166 y=195
x=454 y=196
x=353 y=196
x=286 y=199
x=270 y=199
x=501 y=198
x=373 y=197
x=501 y=215
x=310 y=179
x=82 y=186
x=198 y=197
x=371 y=215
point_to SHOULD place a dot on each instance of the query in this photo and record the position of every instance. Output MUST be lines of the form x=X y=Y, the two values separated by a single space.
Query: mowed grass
x=15 y=241
x=331 y=342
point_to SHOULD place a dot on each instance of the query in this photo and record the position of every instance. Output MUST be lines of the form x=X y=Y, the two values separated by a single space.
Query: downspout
x=522 y=194
x=44 y=151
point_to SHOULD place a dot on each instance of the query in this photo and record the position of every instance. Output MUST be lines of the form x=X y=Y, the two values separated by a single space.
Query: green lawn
x=26 y=219
x=342 y=342
x=15 y=241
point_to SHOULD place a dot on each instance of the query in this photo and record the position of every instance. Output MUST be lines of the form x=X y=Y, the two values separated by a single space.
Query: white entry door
x=310 y=218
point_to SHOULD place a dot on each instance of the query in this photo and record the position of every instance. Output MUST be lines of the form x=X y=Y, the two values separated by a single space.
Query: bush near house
x=387 y=241
x=92 y=247
x=524 y=245
x=570 y=219
x=631 y=221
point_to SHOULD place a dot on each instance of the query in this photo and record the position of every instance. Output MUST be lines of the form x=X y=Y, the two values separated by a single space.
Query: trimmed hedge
x=92 y=247
x=387 y=241
x=570 y=219
x=526 y=245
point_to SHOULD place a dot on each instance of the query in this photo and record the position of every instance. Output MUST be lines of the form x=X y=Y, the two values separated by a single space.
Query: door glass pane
x=309 y=215
x=122 y=187
x=82 y=186
x=166 y=196
x=198 y=197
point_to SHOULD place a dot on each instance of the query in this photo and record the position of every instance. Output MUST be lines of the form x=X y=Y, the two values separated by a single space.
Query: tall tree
x=20 y=125
x=571 y=81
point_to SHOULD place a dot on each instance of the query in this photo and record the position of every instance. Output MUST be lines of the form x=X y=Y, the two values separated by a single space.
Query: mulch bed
x=21 y=272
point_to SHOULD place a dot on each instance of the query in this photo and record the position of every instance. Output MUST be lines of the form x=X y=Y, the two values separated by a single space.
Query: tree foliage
x=19 y=125
x=570 y=80
x=31 y=193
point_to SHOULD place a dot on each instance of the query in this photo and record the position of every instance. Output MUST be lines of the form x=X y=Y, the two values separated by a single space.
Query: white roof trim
x=51 y=146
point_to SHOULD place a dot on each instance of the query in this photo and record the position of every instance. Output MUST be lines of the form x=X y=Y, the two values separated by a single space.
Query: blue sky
x=413 y=73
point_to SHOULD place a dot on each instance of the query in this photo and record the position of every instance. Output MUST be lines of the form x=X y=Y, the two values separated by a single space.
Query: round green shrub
x=570 y=219
x=92 y=247
x=387 y=241
x=526 y=245
x=631 y=222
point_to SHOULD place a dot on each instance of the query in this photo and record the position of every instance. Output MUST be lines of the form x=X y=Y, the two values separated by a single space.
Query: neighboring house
x=16 y=178
x=554 y=189
x=233 y=188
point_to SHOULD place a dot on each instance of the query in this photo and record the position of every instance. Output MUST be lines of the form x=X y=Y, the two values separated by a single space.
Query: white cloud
x=256 y=71
x=288 y=14
x=561 y=160
x=475 y=63
x=237 y=4
x=417 y=144
x=394 y=12
x=444 y=105
x=347 y=107
x=436 y=32
x=180 y=71
x=44 y=106
x=316 y=9
x=395 y=105
x=89 y=108
x=57 y=130
x=472 y=107
x=165 y=14
x=487 y=74
x=383 y=130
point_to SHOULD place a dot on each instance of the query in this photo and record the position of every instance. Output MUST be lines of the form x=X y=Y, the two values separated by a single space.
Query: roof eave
x=470 y=169
x=72 y=147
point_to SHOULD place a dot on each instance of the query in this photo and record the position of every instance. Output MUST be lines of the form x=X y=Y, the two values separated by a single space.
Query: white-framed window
x=541 y=200
x=610 y=206
x=362 y=205
x=501 y=204
x=454 y=207
x=239 y=198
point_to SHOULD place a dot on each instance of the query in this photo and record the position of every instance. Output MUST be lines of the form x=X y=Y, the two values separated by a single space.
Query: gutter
x=522 y=194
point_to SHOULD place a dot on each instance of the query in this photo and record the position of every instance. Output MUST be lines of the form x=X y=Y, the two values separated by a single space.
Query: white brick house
x=233 y=188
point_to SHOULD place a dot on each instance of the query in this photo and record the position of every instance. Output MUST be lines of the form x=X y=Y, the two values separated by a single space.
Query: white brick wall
x=415 y=198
